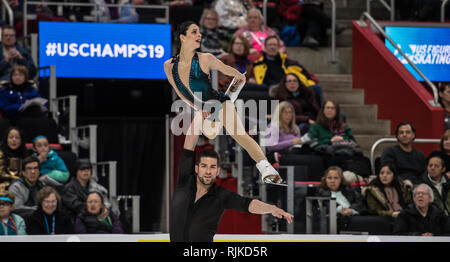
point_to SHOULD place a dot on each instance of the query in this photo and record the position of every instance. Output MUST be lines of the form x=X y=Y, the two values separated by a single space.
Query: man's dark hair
x=436 y=155
x=8 y=27
x=405 y=123
x=271 y=37
x=30 y=159
x=208 y=153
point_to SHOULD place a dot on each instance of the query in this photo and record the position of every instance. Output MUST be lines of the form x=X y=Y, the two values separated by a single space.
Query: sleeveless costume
x=198 y=83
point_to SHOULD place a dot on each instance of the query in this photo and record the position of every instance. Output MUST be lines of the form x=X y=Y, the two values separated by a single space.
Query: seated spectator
x=410 y=162
x=20 y=96
x=12 y=54
x=282 y=132
x=439 y=182
x=291 y=89
x=48 y=219
x=284 y=144
x=387 y=195
x=76 y=191
x=422 y=218
x=256 y=33
x=313 y=23
x=273 y=66
x=11 y=224
x=238 y=51
x=444 y=151
x=335 y=141
x=12 y=152
x=128 y=14
x=232 y=13
x=329 y=128
x=96 y=218
x=214 y=39
x=53 y=169
x=26 y=188
x=333 y=184
x=444 y=100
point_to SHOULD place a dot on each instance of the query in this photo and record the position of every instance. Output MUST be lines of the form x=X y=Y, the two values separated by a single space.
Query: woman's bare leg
x=233 y=124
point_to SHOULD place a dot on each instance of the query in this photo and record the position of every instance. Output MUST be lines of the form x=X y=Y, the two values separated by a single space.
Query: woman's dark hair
x=22 y=150
x=181 y=30
x=326 y=123
x=21 y=69
x=280 y=92
x=244 y=42
x=396 y=182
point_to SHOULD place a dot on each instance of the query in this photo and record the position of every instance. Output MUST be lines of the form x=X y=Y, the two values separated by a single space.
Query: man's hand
x=280 y=213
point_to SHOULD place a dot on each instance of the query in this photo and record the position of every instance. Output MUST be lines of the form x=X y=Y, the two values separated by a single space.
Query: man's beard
x=203 y=181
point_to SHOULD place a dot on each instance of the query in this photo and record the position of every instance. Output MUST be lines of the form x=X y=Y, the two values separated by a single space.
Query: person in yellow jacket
x=270 y=68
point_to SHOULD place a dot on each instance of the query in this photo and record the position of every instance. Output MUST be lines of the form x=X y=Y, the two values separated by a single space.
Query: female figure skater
x=186 y=74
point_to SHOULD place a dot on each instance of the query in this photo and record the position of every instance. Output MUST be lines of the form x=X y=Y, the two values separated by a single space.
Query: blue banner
x=427 y=47
x=105 y=50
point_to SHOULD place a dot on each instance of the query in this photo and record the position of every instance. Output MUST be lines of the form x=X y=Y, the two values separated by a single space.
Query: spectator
x=232 y=13
x=213 y=38
x=410 y=162
x=26 y=188
x=76 y=191
x=11 y=224
x=96 y=218
x=128 y=14
x=333 y=184
x=435 y=178
x=53 y=170
x=48 y=219
x=257 y=33
x=273 y=66
x=238 y=51
x=313 y=23
x=329 y=128
x=444 y=99
x=387 y=195
x=444 y=151
x=12 y=54
x=291 y=89
x=422 y=218
x=283 y=133
x=21 y=96
x=12 y=152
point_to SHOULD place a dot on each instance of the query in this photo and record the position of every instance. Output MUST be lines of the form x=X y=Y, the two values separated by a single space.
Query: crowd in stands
x=35 y=206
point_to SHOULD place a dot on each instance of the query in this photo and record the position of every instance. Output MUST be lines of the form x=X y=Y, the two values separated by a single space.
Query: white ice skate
x=268 y=174
x=233 y=91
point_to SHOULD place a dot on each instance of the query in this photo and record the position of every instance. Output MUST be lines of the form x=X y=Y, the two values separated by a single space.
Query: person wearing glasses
x=422 y=218
x=11 y=224
x=12 y=54
x=26 y=187
x=48 y=219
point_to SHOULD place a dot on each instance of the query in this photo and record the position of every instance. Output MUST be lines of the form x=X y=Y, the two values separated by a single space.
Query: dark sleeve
x=79 y=228
x=71 y=200
x=234 y=201
x=28 y=62
x=186 y=167
x=117 y=226
x=32 y=228
x=388 y=156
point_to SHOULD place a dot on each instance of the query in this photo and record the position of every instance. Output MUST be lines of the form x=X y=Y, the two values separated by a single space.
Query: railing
x=290 y=206
x=444 y=3
x=165 y=20
x=332 y=221
x=393 y=140
x=435 y=101
x=8 y=9
x=390 y=8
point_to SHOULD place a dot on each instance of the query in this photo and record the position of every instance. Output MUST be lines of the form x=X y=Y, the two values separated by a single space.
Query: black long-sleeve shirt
x=192 y=221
